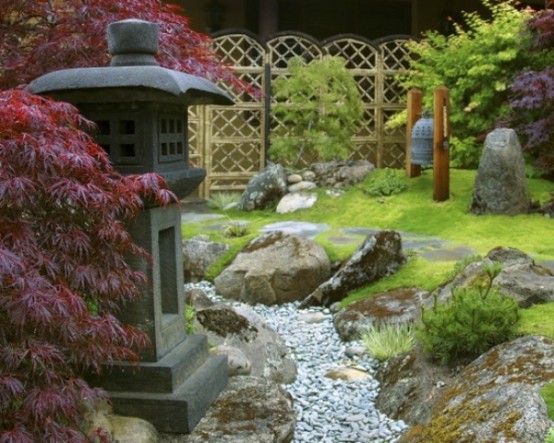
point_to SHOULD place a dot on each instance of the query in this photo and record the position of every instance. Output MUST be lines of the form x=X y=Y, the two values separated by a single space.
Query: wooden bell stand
x=441 y=137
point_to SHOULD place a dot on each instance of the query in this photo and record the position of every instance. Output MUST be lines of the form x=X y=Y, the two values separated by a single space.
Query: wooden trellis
x=231 y=142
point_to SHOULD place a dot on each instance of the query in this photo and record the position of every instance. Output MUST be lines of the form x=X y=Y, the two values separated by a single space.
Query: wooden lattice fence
x=231 y=142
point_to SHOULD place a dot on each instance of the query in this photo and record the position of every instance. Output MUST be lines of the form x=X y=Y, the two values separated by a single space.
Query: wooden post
x=441 y=139
x=415 y=99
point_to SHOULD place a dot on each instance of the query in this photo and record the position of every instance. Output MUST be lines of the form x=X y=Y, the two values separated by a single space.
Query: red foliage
x=532 y=97
x=39 y=36
x=63 y=210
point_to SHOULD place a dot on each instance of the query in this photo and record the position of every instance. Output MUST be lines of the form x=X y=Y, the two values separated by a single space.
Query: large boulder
x=379 y=255
x=520 y=278
x=410 y=385
x=249 y=410
x=392 y=307
x=264 y=189
x=252 y=347
x=494 y=398
x=199 y=253
x=274 y=268
x=500 y=183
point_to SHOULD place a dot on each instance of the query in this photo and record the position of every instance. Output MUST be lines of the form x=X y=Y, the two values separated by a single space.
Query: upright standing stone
x=500 y=184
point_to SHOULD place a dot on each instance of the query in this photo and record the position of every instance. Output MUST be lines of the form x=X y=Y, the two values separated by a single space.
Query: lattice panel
x=236 y=158
x=230 y=142
x=367 y=129
x=233 y=124
x=367 y=85
x=365 y=150
x=395 y=54
x=283 y=48
x=393 y=155
x=359 y=54
x=239 y=50
x=393 y=92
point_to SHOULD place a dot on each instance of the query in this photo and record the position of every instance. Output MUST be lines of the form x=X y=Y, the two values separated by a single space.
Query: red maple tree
x=39 y=36
x=63 y=273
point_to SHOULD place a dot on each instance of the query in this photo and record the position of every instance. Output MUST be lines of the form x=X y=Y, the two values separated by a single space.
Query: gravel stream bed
x=328 y=411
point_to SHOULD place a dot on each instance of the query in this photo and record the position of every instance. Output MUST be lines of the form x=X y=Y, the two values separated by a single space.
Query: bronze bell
x=422 y=140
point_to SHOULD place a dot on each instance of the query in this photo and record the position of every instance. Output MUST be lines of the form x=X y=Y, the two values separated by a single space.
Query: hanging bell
x=422 y=140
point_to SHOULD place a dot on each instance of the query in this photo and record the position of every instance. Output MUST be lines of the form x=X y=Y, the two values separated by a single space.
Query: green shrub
x=470 y=323
x=319 y=109
x=388 y=183
x=387 y=340
x=550 y=436
x=477 y=64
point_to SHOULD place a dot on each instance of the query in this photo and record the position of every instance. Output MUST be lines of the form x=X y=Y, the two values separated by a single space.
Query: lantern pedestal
x=140 y=110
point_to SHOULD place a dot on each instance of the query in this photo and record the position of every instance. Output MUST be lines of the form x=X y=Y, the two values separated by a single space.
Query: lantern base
x=174 y=393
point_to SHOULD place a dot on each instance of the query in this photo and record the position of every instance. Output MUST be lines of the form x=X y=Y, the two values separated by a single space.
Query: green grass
x=412 y=211
x=537 y=320
x=547 y=392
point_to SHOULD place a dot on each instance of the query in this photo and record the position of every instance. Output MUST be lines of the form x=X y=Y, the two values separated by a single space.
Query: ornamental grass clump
x=318 y=109
x=389 y=339
x=471 y=322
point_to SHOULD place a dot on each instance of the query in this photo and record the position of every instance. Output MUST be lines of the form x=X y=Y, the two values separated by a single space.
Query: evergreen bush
x=319 y=107
x=474 y=320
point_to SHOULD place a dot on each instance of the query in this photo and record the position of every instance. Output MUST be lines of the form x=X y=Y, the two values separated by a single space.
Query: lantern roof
x=133 y=45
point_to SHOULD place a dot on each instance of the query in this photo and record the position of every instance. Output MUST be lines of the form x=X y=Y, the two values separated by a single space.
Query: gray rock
x=500 y=183
x=199 y=253
x=296 y=201
x=241 y=328
x=120 y=429
x=520 y=278
x=496 y=397
x=249 y=410
x=302 y=186
x=379 y=255
x=410 y=386
x=237 y=362
x=294 y=178
x=341 y=173
x=396 y=307
x=264 y=189
x=274 y=268
x=132 y=430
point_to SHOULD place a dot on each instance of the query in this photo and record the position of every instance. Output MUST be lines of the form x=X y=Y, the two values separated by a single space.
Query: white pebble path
x=328 y=411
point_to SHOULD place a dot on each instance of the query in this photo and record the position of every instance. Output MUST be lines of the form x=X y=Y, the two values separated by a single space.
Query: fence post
x=414 y=105
x=441 y=137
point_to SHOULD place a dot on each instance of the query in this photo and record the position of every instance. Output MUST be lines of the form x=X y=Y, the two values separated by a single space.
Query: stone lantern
x=140 y=109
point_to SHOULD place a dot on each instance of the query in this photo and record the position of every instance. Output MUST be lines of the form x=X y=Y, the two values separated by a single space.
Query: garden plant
x=319 y=109
x=63 y=268
x=481 y=52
